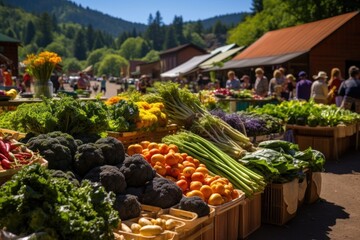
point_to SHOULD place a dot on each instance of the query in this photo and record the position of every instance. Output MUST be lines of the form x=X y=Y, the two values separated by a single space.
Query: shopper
x=246 y=84
x=303 y=87
x=261 y=83
x=319 y=88
x=233 y=82
x=276 y=84
x=333 y=86
x=7 y=77
x=289 y=87
x=27 y=81
x=350 y=90
x=103 y=84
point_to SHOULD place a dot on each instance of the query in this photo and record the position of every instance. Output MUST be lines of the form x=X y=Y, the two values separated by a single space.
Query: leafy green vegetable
x=123 y=116
x=33 y=201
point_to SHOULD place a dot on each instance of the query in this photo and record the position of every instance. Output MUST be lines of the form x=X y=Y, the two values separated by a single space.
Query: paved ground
x=335 y=216
x=111 y=88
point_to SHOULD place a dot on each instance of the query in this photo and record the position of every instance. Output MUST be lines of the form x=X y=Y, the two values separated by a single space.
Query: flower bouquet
x=41 y=66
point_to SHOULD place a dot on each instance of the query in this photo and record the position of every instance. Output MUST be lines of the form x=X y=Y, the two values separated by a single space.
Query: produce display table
x=240 y=104
x=325 y=139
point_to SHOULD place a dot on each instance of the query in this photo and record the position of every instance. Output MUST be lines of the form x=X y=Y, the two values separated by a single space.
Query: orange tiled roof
x=295 y=39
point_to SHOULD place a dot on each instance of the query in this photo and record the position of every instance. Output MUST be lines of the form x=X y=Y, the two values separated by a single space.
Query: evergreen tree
x=257 y=6
x=134 y=33
x=45 y=36
x=144 y=48
x=155 y=31
x=80 y=45
x=170 y=40
x=54 y=23
x=178 y=29
x=219 y=28
x=90 y=37
x=29 y=32
x=99 y=40
x=198 y=28
x=11 y=33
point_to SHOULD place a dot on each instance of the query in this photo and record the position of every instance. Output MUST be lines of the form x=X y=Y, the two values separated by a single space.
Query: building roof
x=181 y=47
x=219 y=58
x=223 y=48
x=4 y=38
x=186 y=67
x=297 y=39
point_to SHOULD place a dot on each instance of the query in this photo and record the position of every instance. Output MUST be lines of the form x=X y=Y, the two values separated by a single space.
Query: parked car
x=112 y=79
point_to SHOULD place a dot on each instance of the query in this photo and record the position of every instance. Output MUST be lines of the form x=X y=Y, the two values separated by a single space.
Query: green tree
x=257 y=6
x=112 y=64
x=155 y=31
x=99 y=40
x=170 y=38
x=80 y=45
x=72 y=65
x=133 y=48
x=178 y=26
x=151 y=56
x=29 y=32
x=144 y=48
x=198 y=27
x=219 y=28
x=58 y=48
x=44 y=26
x=197 y=40
x=90 y=35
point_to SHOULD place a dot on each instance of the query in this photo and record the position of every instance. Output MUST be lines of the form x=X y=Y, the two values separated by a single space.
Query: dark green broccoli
x=161 y=192
x=113 y=150
x=110 y=178
x=65 y=139
x=194 y=204
x=67 y=175
x=79 y=142
x=136 y=191
x=127 y=206
x=87 y=137
x=137 y=170
x=58 y=156
x=87 y=157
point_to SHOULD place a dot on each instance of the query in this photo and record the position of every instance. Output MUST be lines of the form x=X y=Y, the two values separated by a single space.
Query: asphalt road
x=335 y=216
x=111 y=88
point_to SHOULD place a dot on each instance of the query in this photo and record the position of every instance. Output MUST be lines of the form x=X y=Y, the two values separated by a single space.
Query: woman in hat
x=319 y=88
x=261 y=83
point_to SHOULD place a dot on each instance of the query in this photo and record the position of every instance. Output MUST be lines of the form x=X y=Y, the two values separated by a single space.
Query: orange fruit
x=218 y=188
x=153 y=145
x=206 y=191
x=179 y=157
x=203 y=170
x=198 y=176
x=202 y=165
x=215 y=199
x=171 y=159
x=229 y=186
x=190 y=159
x=145 y=144
x=195 y=185
x=154 y=151
x=234 y=194
x=157 y=158
x=182 y=184
x=135 y=148
x=184 y=155
x=188 y=164
x=164 y=149
x=188 y=171
x=196 y=162
x=174 y=148
x=194 y=193
x=160 y=168
x=175 y=172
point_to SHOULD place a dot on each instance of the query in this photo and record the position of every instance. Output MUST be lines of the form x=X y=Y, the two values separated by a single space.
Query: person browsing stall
x=303 y=87
x=261 y=83
x=319 y=88
x=233 y=82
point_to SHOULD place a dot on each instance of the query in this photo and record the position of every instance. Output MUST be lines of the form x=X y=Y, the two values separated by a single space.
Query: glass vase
x=43 y=89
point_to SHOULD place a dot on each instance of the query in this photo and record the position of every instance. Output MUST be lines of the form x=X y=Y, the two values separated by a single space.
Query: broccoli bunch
x=194 y=204
x=87 y=137
x=112 y=149
x=65 y=139
x=110 y=178
x=127 y=206
x=66 y=175
x=87 y=157
x=58 y=156
x=161 y=192
x=136 y=191
x=137 y=170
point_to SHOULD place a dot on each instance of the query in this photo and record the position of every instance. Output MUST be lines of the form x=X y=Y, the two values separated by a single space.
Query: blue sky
x=139 y=10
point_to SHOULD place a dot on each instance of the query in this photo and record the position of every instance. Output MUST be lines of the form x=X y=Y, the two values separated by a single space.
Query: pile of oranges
x=189 y=174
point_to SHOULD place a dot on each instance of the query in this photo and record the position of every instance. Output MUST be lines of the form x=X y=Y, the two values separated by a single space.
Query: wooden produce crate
x=249 y=216
x=279 y=202
x=128 y=138
x=314 y=187
x=16 y=135
x=302 y=190
x=226 y=221
x=150 y=211
x=6 y=175
x=166 y=235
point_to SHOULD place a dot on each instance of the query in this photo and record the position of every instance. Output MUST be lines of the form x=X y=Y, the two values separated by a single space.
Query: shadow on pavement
x=348 y=164
x=312 y=222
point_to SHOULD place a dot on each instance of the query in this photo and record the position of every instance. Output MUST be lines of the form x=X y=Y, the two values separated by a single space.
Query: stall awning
x=219 y=58
x=186 y=67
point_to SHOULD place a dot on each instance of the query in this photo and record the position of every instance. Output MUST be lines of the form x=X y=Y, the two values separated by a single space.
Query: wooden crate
x=249 y=216
x=128 y=138
x=226 y=221
x=314 y=187
x=279 y=202
x=16 y=135
x=302 y=190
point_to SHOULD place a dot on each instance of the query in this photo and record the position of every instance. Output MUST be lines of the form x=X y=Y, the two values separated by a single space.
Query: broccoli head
x=136 y=191
x=66 y=175
x=137 y=170
x=87 y=137
x=113 y=150
x=110 y=178
x=194 y=204
x=58 y=156
x=127 y=206
x=161 y=192
x=65 y=139
x=87 y=157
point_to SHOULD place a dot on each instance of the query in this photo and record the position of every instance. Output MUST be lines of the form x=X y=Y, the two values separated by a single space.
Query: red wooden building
x=313 y=47
x=9 y=53
x=173 y=57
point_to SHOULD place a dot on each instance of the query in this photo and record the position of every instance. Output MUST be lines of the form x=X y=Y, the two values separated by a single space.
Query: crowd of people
x=333 y=90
